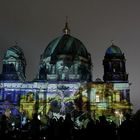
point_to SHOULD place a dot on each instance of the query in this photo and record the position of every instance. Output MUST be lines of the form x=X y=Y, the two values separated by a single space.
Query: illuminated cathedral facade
x=64 y=83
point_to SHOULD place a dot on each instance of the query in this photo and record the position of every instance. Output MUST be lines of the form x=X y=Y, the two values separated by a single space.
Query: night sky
x=34 y=23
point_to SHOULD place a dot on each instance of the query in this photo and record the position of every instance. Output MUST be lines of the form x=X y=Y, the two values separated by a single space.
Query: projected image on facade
x=66 y=100
x=109 y=99
x=63 y=83
x=58 y=100
x=28 y=104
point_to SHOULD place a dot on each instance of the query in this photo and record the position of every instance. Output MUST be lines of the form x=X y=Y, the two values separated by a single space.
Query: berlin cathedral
x=64 y=83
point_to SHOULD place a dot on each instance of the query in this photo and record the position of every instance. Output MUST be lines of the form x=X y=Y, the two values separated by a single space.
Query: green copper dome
x=15 y=52
x=113 y=50
x=65 y=45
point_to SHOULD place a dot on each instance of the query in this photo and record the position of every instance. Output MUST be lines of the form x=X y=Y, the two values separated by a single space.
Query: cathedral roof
x=114 y=52
x=14 y=51
x=65 y=45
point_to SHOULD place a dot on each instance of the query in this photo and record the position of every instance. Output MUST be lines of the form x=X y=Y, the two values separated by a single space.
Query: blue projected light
x=113 y=50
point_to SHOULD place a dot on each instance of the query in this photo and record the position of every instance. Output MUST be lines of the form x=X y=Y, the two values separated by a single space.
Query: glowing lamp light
x=38 y=117
x=116 y=112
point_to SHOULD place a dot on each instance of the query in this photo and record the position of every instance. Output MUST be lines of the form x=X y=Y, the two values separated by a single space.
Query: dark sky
x=34 y=23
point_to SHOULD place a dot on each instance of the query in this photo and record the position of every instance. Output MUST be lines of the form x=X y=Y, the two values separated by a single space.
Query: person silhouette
x=3 y=126
x=35 y=127
x=68 y=127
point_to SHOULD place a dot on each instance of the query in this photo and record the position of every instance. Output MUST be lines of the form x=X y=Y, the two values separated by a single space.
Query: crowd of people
x=66 y=129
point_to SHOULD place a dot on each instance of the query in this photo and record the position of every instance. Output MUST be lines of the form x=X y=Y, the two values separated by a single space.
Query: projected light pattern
x=53 y=99
x=63 y=83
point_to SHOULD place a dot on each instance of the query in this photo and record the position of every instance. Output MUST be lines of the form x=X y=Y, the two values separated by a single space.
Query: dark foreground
x=66 y=129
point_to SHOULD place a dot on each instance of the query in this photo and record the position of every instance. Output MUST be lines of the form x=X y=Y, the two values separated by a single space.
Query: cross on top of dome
x=66 y=30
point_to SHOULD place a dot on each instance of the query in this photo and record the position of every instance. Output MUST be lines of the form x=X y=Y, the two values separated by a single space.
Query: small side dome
x=16 y=52
x=14 y=64
x=114 y=52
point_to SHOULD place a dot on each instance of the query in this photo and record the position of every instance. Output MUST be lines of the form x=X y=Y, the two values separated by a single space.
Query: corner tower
x=114 y=65
x=14 y=64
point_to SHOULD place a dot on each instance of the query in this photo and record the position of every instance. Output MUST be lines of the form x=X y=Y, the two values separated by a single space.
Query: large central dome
x=65 y=58
x=65 y=45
